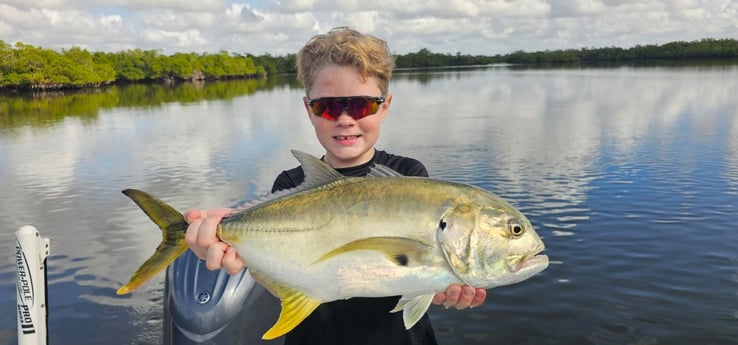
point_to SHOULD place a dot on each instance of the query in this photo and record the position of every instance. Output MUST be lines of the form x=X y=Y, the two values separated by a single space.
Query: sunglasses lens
x=362 y=107
x=330 y=108
x=322 y=108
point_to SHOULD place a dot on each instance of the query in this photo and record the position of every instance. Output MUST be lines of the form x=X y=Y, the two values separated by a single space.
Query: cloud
x=570 y=8
x=175 y=5
x=281 y=27
x=245 y=14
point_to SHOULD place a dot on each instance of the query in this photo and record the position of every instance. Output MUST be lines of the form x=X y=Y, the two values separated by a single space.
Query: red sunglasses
x=330 y=108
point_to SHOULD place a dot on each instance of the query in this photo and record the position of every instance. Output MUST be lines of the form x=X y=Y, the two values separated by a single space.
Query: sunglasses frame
x=344 y=102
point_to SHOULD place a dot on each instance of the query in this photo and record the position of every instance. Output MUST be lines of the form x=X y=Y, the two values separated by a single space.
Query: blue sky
x=485 y=27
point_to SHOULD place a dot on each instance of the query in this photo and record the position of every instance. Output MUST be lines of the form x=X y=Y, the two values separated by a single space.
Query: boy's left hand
x=461 y=297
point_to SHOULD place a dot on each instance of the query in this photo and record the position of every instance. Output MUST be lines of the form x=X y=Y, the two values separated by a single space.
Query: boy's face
x=347 y=142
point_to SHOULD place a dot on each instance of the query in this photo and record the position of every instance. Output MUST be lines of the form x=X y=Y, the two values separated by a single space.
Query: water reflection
x=629 y=173
x=41 y=109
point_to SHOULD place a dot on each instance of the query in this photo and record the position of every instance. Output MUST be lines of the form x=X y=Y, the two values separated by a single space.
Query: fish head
x=490 y=244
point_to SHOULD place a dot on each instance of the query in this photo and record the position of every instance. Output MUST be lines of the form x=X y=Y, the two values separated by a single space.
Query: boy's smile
x=346 y=139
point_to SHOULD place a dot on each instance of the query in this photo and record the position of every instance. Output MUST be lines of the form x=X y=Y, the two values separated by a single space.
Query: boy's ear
x=307 y=110
x=385 y=106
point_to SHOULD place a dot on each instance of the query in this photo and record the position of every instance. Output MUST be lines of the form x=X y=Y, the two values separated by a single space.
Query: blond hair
x=343 y=46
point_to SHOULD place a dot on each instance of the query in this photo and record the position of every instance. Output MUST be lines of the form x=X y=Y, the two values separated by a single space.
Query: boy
x=346 y=77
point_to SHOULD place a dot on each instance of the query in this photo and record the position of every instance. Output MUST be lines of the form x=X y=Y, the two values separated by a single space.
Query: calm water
x=630 y=175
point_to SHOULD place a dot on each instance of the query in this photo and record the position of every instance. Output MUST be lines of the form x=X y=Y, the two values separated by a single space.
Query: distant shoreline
x=28 y=68
x=612 y=63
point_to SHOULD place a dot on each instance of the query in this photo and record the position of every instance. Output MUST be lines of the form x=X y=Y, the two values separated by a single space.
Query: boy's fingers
x=479 y=297
x=214 y=258
x=195 y=214
x=465 y=298
x=439 y=298
x=452 y=296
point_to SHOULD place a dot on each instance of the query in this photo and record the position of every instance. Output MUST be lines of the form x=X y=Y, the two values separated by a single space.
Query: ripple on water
x=560 y=233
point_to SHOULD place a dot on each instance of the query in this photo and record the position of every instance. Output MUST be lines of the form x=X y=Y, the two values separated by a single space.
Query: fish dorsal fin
x=402 y=251
x=317 y=172
x=413 y=308
x=380 y=170
x=262 y=199
x=296 y=306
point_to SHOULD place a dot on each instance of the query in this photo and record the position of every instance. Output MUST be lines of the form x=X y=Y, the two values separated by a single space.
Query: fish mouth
x=516 y=263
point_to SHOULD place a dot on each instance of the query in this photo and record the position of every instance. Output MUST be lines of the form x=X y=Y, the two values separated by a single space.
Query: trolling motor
x=212 y=307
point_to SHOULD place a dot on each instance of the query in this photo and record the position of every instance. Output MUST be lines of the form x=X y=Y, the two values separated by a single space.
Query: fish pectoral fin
x=296 y=306
x=413 y=308
x=400 y=250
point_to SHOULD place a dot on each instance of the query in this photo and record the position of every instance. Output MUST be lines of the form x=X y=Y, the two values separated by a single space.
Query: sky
x=476 y=27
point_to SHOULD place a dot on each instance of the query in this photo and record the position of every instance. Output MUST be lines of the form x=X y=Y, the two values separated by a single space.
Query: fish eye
x=515 y=228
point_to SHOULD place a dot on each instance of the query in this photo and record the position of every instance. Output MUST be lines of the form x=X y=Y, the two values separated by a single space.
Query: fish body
x=336 y=237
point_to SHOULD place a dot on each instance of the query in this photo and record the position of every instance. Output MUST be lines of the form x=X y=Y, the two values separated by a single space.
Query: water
x=629 y=174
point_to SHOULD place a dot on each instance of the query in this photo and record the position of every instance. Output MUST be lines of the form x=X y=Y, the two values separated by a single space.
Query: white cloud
x=244 y=14
x=184 y=39
x=565 y=8
x=170 y=20
x=175 y=5
x=523 y=9
x=281 y=27
x=25 y=5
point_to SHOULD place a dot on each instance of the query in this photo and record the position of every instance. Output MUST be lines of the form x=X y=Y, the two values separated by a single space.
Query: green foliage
x=680 y=50
x=133 y=65
x=29 y=67
x=424 y=58
x=274 y=65
x=26 y=66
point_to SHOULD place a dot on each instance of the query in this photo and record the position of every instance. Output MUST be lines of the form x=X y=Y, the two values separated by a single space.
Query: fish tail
x=173 y=226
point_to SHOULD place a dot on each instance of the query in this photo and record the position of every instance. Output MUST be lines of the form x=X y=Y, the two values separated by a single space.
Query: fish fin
x=296 y=306
x=400 y=250
x=262 y=200
x=380 y=170
x=173 y=227
x=413 y=308
x=317 y=172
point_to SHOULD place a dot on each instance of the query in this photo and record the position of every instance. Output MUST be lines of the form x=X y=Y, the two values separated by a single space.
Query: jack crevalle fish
x=336 y=237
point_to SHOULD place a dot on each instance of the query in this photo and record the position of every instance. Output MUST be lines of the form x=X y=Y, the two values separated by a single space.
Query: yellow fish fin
x=296 y=306
x=413 y=308
x=173 y=227
x=400 y=250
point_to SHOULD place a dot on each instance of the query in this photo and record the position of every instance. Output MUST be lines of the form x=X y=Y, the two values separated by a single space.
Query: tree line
x=679 y=50
x=29 y=67
x=25 y=66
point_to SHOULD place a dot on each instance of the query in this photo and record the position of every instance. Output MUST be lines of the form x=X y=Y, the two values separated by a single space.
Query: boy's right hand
x=202 y=239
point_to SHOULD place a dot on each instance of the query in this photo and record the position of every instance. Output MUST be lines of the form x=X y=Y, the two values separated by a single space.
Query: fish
x=335 y=237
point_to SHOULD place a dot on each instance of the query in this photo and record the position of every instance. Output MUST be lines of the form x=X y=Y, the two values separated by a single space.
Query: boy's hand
x=461 y=297
x=203 y=241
